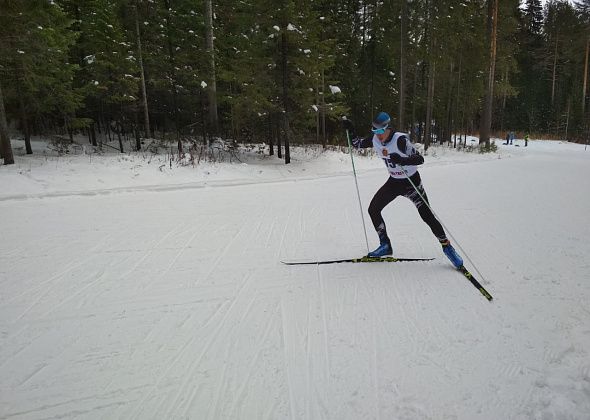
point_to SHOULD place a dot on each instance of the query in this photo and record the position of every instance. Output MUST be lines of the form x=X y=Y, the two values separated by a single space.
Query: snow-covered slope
x=130 y=290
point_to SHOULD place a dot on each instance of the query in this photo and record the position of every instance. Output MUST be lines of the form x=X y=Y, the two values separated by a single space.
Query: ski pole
x=442 y=224
x=357 y=189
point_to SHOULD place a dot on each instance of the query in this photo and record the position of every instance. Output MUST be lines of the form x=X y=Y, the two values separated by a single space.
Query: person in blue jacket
x=401 y=159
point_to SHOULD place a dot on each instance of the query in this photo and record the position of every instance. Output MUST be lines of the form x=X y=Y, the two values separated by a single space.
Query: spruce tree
x=35 y=41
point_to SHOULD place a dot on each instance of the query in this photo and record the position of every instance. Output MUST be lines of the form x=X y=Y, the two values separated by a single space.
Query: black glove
x=397 y=159
x=356 y=142
x=415 y=159
x=348 y=125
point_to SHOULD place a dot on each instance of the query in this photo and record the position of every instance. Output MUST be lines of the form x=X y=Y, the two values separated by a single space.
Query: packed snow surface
x=135 y=289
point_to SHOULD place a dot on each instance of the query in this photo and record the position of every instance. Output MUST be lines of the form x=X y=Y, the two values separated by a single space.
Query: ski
x=473 y=281
x=364 y=259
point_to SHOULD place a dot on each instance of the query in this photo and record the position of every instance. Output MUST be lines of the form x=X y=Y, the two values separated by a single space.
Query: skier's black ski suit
x=395 y=187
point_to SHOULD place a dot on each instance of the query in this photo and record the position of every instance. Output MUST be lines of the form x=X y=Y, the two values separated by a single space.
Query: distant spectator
x=526 y=139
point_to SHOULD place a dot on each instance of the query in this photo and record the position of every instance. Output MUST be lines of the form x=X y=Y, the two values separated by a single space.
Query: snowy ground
x=130 y=290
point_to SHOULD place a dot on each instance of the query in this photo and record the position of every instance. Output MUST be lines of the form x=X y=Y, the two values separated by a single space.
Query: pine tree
x=35 y=40
x=564 y=35
x=108 y=65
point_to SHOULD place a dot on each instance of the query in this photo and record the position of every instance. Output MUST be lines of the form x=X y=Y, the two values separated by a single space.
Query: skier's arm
x=363 y=143
x=414 y=157
x=357 y=142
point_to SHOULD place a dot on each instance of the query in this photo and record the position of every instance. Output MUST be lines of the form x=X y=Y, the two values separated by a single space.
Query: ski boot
x=382 y=251
x=451 y=254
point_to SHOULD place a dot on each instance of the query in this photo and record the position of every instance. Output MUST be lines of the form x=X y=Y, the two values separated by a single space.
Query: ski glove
x=356 y=142
x=397 y=159
x=415 y=159
x=348 y=125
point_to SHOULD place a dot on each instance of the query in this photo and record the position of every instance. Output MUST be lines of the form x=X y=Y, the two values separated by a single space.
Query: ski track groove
x=189 y=373
x=97 y=277
x=170 y=365
x=308 y=361
x=221 y=379
x=37 y=370
x=42 y=295
x=176 y=257
x=407 y=322
x=149 y=251
x=91 y=398
x=240 y=394
x=70 y=267
x=285 y=227
x=221 y=255
x=286 y=364
x=228 y=348
x=328 y=364
x=375 y=364
x=261 y=225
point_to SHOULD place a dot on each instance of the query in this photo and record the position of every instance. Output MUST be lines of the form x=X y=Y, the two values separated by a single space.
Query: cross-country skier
x=401 y=158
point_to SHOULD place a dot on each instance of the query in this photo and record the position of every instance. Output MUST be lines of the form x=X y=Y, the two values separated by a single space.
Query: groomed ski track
x=173 y=304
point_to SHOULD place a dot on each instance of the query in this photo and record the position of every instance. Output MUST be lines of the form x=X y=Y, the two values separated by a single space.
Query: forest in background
x=286 y=71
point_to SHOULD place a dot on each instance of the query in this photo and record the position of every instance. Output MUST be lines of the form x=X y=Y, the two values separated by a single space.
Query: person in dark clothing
x=401 y=159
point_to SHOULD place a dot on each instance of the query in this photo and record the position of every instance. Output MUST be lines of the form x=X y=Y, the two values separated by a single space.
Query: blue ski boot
x=451 y=254
x=382 y=251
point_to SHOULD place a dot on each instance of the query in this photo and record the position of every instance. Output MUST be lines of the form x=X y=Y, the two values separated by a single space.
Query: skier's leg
x=382 y=198
x=428 y=216
x=424 y=211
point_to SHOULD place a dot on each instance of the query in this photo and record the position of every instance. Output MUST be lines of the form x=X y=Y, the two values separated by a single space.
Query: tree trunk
x=323 y=108
x=5 y=147
x=24 y=120
x=144 y=101
x=285 y=116
x=567 y=119
x=212 y=87
x=486 y=120
x=401 y=68
x=92 y=135
x=119 y=138
x=456 y=107
x=429 y=100
x=504 y=97
x=447 y=136
x=415 y=137
x=277 y=127
x=318 y=112
x=554 y=77
x=173 y=77
x=585 y=77
x=271 y=136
